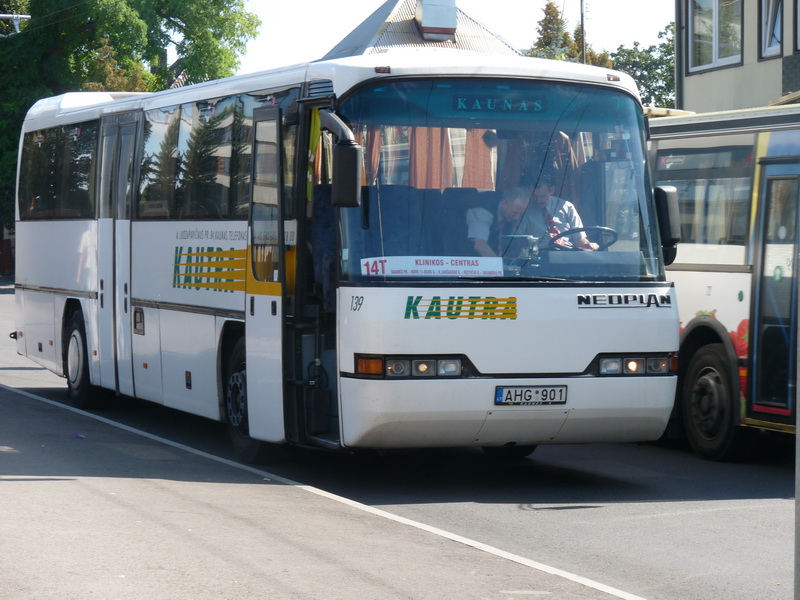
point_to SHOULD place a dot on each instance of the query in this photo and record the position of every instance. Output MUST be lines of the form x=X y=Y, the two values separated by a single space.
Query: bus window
x=57 y=178
x=160 y=164
x=714 y=177
x=266 y=196
x=439 y=153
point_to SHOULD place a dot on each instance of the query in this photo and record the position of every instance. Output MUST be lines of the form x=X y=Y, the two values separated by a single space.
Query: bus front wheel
x=709 y=407
x=245 y=447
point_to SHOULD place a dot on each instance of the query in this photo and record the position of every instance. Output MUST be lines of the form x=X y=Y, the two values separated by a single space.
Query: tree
x=653 y=68
x=11 y=7
x=106 y=74
x=556 y=43
x=109 y=45
x=592 y=58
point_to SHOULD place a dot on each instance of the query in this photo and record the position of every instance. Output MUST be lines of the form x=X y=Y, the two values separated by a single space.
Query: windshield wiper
x=513 y=278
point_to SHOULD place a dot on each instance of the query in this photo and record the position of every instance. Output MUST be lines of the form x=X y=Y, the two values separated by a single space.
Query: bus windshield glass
x=499 y=178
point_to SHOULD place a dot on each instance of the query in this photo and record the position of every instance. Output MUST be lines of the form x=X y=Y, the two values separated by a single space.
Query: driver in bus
x=547 y=216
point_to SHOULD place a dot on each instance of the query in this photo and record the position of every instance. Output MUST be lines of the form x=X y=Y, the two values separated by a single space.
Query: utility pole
x=16 y=19
x=583 y=35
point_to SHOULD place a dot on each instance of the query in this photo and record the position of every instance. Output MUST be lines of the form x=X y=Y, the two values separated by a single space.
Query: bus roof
x=746 y=119
x=343 y=75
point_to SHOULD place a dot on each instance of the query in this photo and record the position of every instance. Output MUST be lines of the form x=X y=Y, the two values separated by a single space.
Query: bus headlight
x=396 y=367
x=610 y=366
x=407 y=367
x=637 y=365
x=423 y=368
x=634 y=366
x=450 y=367
x=658 y=365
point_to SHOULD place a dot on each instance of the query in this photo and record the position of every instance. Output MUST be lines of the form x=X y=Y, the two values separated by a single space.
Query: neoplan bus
x=737 y=177
x=286 y=252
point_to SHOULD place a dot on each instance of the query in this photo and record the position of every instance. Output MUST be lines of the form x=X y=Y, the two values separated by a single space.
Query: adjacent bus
x=287 y=252
x=737 y=176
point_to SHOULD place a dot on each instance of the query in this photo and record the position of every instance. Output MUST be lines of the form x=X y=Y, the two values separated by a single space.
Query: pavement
x=92 y=510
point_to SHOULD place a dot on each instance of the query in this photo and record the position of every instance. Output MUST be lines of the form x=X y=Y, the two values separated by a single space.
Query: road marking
x=346 y=501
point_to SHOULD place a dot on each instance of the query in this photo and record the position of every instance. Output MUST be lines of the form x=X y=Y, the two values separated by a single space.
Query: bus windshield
x=499 y=178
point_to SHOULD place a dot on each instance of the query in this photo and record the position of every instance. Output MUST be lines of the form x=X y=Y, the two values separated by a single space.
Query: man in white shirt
x=544 y=218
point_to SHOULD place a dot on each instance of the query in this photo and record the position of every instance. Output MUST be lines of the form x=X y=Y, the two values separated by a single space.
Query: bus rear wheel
x=709 y=407
x=81 y=392
x=246 y=448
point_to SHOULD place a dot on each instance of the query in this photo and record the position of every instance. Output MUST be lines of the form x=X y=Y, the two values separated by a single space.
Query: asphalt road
x=93 y=509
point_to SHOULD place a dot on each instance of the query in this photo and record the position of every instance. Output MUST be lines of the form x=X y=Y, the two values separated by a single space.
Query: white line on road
x=357 y=505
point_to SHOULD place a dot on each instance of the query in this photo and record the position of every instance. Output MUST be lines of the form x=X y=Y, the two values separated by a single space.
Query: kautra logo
x=209 y=268
x=460 y=307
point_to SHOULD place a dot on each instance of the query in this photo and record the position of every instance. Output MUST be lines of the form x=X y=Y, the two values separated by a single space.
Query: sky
x=296 y=31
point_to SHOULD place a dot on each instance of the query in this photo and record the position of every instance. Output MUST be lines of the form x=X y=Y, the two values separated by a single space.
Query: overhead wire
x=33 y=24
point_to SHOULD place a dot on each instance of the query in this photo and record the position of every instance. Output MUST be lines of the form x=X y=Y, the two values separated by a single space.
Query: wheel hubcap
x=74 y=358
x=236 y=399
x=707 y=409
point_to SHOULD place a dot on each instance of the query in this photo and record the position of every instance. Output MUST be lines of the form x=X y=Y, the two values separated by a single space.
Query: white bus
x=737 y=176
x=287 y=252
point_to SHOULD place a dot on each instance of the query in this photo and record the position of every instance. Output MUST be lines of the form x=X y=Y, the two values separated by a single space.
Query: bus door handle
x=253 y=306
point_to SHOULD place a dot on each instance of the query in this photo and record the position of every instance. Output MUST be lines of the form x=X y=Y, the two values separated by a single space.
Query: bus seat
x=396 y=221
x=455 y=204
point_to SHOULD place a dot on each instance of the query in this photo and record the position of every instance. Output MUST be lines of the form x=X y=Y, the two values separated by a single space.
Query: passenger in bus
x=516 y=215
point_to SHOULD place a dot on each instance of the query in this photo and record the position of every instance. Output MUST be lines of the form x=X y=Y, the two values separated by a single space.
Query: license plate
x=530 y=395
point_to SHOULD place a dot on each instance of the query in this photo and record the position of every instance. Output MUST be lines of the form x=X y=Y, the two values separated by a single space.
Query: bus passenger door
x=774 y=326
x=113 y=252
x=264 y=293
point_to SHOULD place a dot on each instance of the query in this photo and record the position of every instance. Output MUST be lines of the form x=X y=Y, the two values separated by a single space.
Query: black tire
x=246 y=448
x=710 y=408
x=508 y=452
x=81 y=392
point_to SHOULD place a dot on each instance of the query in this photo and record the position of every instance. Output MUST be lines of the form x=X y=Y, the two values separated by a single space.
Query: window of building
x=715 y=33
x=771 y=20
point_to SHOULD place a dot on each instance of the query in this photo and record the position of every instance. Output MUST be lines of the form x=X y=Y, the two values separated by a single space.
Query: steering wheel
x=606 y=237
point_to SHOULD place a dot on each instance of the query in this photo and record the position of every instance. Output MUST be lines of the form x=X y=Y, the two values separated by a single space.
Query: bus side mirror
x=346 y=181
x=669 y=221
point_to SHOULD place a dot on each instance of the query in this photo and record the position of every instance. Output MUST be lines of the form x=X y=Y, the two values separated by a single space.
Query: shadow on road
x=552 y=478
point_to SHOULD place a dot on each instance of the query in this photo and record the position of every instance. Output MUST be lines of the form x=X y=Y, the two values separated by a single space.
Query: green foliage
x=119 y=45
x=653 y=68
x=208 y=36
x=603 y=59
x=556 y=43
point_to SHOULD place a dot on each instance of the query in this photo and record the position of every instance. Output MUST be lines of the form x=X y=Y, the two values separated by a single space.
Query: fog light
x=450 y=367
x=610 y=366
x=657 y=365
x=423 y=368
x=634 y=366
x=398 y=368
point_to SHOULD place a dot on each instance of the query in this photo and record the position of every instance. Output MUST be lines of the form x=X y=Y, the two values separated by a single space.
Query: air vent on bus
x=320 y=88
